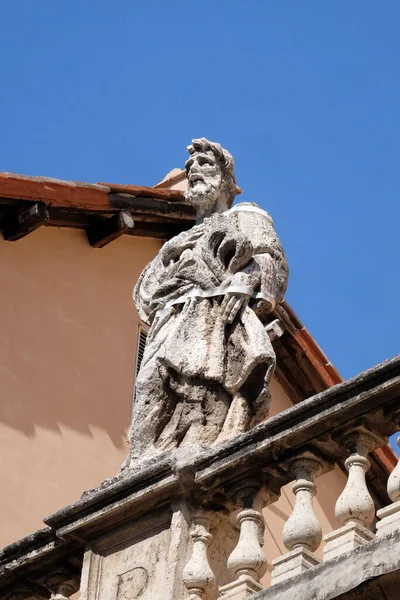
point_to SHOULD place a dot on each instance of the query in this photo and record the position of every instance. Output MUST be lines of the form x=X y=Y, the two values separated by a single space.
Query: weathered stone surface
x=389 y=519
x=130 y=562
x=33 y=560
x=390 y=515
x=241 y=589
x=346 y=538
x=373 y=568
x=208 y=362
x=271 y=443
x=198 y=576
x=291 y=564
x=37 y=540
x=208 y=477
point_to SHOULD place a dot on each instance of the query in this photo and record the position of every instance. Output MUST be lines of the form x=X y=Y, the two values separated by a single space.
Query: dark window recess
x=140 y=348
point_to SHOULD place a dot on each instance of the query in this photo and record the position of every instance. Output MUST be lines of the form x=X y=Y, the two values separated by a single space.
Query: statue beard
x=203 y=195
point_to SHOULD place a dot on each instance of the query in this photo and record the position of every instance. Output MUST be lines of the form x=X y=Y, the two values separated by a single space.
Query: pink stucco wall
x=67 y=350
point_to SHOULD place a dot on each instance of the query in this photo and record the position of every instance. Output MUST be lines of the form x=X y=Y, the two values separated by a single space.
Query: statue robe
x=201 y=379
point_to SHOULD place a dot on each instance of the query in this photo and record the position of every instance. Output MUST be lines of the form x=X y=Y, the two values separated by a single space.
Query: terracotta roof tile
x=75 y=194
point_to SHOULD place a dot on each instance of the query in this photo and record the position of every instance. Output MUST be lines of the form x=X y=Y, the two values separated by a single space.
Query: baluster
x=247 y=561
x=197 y=575
x=62 y=592
x=302 y=532
x=390 y=515
x=61 y=584
x=355 y=508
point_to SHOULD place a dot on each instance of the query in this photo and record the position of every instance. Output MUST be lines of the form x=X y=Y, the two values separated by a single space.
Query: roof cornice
x=104 y=210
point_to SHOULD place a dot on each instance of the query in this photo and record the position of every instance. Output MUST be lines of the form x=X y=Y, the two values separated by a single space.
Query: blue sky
x=305 y=95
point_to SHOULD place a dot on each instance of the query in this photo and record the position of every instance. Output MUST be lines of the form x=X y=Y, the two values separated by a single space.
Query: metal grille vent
x=141 y=344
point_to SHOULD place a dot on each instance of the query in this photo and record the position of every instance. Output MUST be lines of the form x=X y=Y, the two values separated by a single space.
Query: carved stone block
x=389 y=519
x=241 y=589
x=291 y=564
x=347 y=538
x=130 y=562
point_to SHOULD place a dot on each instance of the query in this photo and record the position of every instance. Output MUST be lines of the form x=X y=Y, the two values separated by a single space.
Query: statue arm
x=249 y=279
x=145 y=290
x=267 y=287
x=268 y=260
x=258 y=277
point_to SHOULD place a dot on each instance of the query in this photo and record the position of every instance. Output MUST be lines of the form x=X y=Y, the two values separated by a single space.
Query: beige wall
x=67 y=353
x=67 y=350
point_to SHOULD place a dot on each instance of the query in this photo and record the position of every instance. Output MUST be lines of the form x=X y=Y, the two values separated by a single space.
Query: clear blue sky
x=305 y=94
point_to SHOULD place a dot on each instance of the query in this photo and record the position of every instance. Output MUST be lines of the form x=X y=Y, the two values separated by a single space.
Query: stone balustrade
x=226 y=489
x=56 y=586
x=302 y=535
x=348 y=446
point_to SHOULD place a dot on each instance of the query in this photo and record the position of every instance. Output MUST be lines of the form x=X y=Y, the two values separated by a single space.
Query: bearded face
x=204 y=178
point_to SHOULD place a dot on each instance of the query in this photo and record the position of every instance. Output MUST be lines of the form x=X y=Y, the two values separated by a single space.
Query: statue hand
x=231 y=305
x=172 y=250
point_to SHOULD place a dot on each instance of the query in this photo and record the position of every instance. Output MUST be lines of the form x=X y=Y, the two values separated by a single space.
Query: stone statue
x=208 y=361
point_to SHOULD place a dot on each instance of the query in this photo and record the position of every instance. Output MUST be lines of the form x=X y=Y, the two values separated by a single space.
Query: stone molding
x=368 y=572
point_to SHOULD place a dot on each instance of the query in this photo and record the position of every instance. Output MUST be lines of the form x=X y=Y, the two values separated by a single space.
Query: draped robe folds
x=202 y=380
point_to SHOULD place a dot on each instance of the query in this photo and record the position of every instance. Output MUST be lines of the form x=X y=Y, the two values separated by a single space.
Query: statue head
x=211 y=180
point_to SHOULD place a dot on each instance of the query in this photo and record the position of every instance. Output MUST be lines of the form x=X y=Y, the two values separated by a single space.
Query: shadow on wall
x=69 y=331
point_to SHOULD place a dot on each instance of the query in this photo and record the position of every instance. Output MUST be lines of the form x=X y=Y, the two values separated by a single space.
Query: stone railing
x=40 y=566
x=302 y=534
x=349 y=443
x=213 y=487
